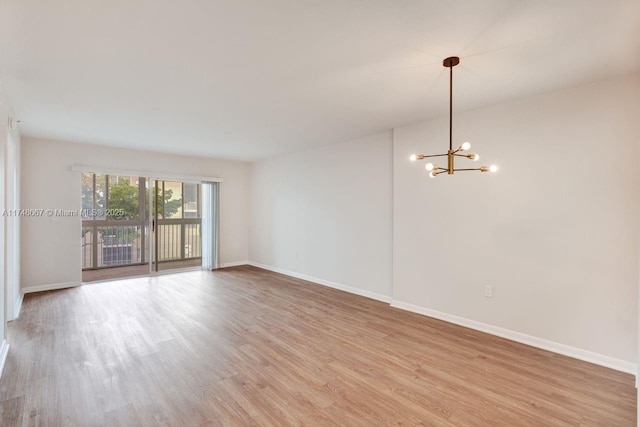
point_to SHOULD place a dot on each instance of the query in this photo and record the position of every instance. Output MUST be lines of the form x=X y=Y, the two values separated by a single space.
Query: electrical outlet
x=488 y=291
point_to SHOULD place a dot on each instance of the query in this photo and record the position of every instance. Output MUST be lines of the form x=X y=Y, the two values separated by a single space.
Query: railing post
x=94 y=246
x=182 y=225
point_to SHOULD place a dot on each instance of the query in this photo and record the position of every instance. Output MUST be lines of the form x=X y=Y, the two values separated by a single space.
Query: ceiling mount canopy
x=451 y=154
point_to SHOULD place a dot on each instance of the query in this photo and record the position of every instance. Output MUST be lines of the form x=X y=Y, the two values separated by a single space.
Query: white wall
x=51 y=246
x=12 y=224
x=4 y=130
x=9 y=153
x=555 y=231
x=326 y=213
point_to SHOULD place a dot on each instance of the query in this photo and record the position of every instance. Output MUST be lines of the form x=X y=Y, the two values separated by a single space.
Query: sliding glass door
x=134 y=225
x=115 y=233
x=176 y=225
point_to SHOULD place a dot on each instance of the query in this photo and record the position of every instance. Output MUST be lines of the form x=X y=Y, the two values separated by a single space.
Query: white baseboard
x=4 y=351
x=17 y=306
x=233 y=264
x=352 y=290
x=50 y=287
x=566 y=350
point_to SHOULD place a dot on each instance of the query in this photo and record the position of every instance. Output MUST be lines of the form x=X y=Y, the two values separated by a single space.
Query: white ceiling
x=247 y=79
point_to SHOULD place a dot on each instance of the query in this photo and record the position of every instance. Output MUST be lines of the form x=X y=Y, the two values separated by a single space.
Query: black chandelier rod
x=450 y=107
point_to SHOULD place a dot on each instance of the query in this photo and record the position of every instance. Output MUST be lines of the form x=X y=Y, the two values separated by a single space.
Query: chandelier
x=435 y=170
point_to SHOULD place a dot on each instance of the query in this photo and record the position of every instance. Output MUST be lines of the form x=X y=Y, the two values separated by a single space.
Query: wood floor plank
x=11 y=411
x=243 y=346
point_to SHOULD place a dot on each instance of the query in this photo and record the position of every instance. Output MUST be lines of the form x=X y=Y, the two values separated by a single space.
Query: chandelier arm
x=433 y=155
x=462 y=170
x=442 y=171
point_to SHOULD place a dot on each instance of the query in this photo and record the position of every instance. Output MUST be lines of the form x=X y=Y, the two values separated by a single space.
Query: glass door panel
x=177 y=225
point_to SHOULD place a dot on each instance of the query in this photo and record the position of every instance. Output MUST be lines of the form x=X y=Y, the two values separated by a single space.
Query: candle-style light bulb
x=429 y=166
x=465 y=146
x=432 y=174
x=493 y=168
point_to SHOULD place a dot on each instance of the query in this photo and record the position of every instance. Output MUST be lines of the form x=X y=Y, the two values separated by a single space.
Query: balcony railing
x=108 y=243
x=179 y=239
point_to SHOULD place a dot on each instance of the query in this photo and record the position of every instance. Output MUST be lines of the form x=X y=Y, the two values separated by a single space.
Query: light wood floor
x=242 y=346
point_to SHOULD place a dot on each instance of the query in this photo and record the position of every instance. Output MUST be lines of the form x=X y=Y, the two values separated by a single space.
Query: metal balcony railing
x=179 y=239
x=107 y=243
